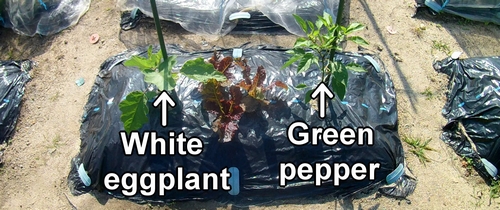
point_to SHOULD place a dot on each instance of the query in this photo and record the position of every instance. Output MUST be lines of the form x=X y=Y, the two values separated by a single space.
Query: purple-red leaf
x=222 y=64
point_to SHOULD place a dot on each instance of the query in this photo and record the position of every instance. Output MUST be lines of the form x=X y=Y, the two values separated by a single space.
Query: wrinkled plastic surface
x=473 y=100
x=14 y=76
x=212 y=16
x=261 y=142
x=485 y=10
x=44 y=17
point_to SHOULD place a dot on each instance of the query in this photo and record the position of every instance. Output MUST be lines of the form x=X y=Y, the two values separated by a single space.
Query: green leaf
x=339 y=89
x=319 y=24
x=311 y=25
x=300 y=86
x=134 y=111
x=305 y=62
x=308 y=96
x=356 y=67
x=155 y=78
x=292 y=60
x=323 y=21
x=339 y=79
x=162 y=78
x=296 y=51
x=151 y=95
x=146 y=64
x=199 y=70
x=140 y=62
x=315 y=34
x=301 y=22
x=150 y=51
x=354 y=27
x=302 y=42
x=171 y=61
x=358 y=40
x=175 y=76
x=328 y=18
x=343 y=29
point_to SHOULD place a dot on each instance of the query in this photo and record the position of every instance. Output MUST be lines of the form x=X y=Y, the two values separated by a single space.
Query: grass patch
x=429 y=95
x=441 y=46
x=418 y=147
x=495 y=190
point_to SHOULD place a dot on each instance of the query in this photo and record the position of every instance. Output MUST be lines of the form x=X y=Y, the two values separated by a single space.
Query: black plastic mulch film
x=14 y=76
x=473 y=101
x=261 y=142
x=484 y=10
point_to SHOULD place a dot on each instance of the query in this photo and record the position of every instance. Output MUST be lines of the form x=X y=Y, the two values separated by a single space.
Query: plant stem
x=338 y=22
x=160 y=39
x=158 y=30
x=340 y=12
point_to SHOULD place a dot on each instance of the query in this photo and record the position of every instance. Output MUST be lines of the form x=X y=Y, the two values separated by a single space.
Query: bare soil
x=37 y=159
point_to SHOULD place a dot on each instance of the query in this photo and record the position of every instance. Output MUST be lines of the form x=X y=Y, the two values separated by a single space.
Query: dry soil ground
x=37 y=160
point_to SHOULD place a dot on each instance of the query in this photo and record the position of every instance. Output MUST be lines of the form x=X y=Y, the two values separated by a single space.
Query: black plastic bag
x=473 y=111
x=14 y=76
x=261 y=142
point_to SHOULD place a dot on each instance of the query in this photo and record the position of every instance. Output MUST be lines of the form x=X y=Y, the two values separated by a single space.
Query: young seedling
x=159 y=73
x=428 y=93
x=323 y=39
x=468 y=164
x=157 y=70
x=441 y=46
x=418 y=147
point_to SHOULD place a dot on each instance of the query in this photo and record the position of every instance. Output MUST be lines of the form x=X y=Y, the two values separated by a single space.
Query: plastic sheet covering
x=473 y=101
x=483 y=10
x=261 y=142
x=212 y=16
x=14 y=75
x=44 y=17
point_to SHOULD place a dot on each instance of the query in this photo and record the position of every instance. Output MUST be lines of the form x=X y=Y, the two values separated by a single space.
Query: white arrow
x=322 y=91
x=165 y=100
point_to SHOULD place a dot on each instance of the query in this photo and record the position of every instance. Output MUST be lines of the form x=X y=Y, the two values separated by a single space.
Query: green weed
x=441 y=46
x=495 y=190
x=429 y=95
x=418 y=147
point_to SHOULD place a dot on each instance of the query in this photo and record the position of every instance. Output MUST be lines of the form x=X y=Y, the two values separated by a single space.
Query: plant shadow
x=477 y=39
x=18 y=47
x=412 y=96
